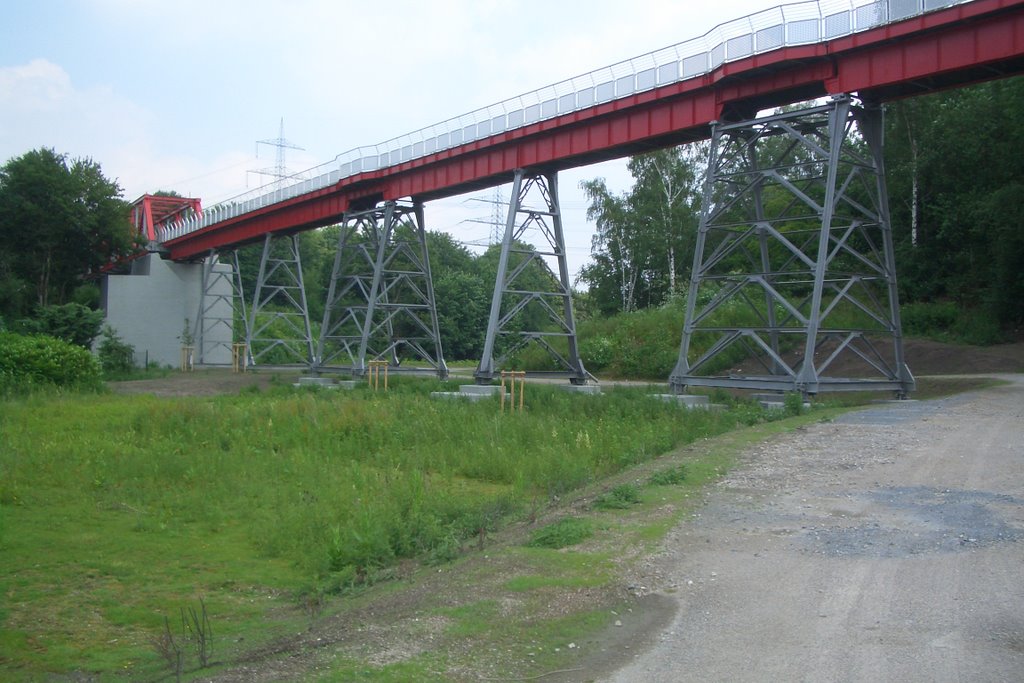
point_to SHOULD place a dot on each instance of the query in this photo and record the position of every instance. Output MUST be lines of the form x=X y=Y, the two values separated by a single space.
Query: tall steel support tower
x=532 y=301
x=795 y=242
x=380 y=302
x=220 y=303
x=279 y=329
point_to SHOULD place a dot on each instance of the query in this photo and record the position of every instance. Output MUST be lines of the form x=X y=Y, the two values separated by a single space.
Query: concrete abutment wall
x=148 y=309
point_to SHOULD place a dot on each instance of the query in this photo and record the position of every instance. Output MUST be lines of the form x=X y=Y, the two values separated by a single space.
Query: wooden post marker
x=514 y=377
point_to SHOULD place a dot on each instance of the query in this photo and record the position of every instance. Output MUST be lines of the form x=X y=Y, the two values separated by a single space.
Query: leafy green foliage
x=793 y=403
x=562 y=534
x=256 y=496
x=74 y=323
x=643 y=245
x=619 y=498
x=957 y=225
x=59 y=220
x=116 y=357
x=31 y=361
x=668 y=477
x=947 y=322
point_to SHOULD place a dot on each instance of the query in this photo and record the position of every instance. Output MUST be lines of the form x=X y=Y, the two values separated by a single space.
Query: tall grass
x=161 y=498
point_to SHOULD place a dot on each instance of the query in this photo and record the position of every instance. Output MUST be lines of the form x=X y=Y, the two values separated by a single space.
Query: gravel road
x=885 y=546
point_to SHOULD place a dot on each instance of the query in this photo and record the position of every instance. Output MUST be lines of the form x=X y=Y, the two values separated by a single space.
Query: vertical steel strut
x=794 y=262
x=380 y=302
x=531 y=303
x=279 y=318
x=220 y=301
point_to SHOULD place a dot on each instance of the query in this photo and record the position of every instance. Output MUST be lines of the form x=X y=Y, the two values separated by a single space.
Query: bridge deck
x=960 y=44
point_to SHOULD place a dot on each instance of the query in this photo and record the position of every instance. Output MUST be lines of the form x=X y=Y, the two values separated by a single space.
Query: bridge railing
x=799 y=23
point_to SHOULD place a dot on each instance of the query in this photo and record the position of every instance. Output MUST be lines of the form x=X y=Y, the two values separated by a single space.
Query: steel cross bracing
x=532 y=302
x=795 y=240
x=278 y=330
x=221 y=292
x=380 y=302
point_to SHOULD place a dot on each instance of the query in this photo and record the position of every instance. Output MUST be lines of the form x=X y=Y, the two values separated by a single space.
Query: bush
x=793 y=403
x=116 y=356
x=74 y=323
x=668 y=477
x=928 y=319
x=561 y=534
x=38 y=360
x=619 y=498
x=978 y=327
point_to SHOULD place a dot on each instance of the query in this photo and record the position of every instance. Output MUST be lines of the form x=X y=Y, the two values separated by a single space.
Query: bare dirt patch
x=924 y=357
x=204 y=382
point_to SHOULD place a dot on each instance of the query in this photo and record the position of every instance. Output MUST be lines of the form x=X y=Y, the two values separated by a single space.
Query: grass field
x=118 y=512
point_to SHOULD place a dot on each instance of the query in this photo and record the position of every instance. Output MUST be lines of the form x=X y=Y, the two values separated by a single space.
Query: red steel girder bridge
x=657 y=104
x=380 y=302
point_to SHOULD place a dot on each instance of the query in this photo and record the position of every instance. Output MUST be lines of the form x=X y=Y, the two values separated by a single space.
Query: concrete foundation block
x=588 y=389
x=456 y=395
x=480 y=389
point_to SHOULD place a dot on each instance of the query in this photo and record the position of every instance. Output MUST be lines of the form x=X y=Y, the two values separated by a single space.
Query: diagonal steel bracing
x=380 y=302
x=278 y=331
x=220 y=303
x=794 y=261
x=532 y=300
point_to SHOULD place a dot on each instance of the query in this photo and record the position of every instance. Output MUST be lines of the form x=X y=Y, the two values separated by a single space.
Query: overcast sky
x=174 y=95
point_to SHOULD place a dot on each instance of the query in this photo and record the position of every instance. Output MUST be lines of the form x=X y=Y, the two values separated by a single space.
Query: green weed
x=619 y=498
x=668 y=477
x=562 y=534
x=119 y=509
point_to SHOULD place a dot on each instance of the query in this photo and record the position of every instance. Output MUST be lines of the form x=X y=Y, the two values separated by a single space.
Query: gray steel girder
x=532 y=299
x=220 y=302
x=380 y=302
x=279 y=317
x=794 y=261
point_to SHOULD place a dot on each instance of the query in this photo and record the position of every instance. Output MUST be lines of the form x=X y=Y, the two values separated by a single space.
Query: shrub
x=116 y=357
x=619 y=498
x=945 y=321
x=74 y=323
x=561 y=534
x=793 y=403
x=928 y=319
x=38 y=360
x=597 y=352
x=668 y=477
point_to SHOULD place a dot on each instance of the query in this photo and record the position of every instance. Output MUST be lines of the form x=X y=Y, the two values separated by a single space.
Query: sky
x=175 y=96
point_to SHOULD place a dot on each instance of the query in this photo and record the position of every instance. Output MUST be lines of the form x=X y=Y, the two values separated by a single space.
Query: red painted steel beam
x=965 y=43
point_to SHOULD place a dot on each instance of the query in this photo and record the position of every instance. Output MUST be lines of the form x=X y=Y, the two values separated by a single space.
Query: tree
x=59 y=220
x=955 y=163
x=644 y=239
x=462 y=293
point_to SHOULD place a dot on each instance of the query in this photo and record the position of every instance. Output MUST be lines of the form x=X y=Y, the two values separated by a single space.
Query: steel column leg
x=280 y=297
x=531 y=303
x=216 y=311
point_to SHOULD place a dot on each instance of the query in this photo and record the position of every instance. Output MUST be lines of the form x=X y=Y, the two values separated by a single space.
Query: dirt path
x=886 y=546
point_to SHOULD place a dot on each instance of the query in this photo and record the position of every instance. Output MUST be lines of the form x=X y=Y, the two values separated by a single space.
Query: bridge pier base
x=795 y=240
x=530 y=296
